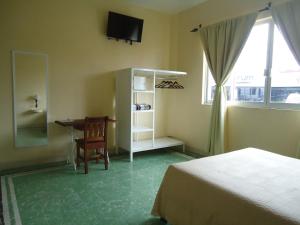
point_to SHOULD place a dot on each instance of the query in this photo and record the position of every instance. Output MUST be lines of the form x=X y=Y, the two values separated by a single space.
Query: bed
x=244 y=187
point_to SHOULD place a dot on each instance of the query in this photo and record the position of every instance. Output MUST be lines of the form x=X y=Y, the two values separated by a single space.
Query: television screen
x=124 y=27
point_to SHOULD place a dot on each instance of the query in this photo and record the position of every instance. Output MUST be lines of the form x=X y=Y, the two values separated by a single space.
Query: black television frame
x=115 y=31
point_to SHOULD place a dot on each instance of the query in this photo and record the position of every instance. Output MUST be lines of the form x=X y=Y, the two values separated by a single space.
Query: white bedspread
x=245 y=187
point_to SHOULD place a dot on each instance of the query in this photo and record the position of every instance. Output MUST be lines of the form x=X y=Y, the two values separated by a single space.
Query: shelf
x=163 y=142
x=160 y=73
x=142 y=111
x=137 y=85
x=170 y=74
x=138 y=91
x=141 y=129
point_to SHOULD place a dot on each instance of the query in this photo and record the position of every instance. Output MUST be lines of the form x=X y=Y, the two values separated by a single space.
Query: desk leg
x=71 y=146
x=71 y=154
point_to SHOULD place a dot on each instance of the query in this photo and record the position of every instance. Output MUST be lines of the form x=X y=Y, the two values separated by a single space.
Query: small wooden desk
x=77 y=124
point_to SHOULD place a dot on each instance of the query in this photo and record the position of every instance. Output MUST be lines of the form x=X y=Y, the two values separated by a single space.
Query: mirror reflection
x=30 y=98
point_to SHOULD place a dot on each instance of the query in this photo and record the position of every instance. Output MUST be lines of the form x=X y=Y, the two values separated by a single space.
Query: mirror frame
x=13 y=58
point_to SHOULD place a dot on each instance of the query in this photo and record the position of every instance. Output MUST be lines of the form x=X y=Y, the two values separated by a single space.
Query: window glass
x=211 y=87
x=248 y=72
x=285 y=84
x=247 y=81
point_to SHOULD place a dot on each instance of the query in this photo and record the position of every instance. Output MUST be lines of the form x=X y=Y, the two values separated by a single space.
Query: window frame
x=267 y=103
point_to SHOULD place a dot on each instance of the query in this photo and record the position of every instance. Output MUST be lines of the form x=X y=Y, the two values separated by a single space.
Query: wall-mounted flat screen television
x=124 y=27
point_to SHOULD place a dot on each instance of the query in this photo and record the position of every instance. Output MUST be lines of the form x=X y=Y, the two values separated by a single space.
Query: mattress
x=244 y=187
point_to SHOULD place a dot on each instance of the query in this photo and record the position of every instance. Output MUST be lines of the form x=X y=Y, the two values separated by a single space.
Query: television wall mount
x=117 y=39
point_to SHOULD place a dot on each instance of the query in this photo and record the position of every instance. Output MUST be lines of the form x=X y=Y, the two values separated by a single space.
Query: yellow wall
x=274 y=130
x=81 y=63
x=270 y=129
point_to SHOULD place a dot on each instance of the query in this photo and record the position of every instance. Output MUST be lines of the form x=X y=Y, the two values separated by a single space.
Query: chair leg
x=78 y=156
x=86 y=169
x=106 y=159
x=97 y=158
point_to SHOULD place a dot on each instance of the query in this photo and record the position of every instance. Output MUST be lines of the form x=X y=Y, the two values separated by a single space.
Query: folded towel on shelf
x=137 y=107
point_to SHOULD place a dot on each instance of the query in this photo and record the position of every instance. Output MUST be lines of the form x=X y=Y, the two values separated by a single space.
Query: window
x=266 y=73
x=285 y=83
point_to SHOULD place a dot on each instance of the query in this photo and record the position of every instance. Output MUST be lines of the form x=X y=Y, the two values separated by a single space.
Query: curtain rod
x=268 y=7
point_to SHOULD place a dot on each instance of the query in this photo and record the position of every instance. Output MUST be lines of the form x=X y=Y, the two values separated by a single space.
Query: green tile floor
x=122 y=195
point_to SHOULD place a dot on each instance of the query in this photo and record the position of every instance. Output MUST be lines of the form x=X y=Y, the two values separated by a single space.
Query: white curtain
x=287 y=17
x=222 y=44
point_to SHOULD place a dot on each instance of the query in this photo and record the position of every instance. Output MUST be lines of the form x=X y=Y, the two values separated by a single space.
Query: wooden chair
x=95 y=139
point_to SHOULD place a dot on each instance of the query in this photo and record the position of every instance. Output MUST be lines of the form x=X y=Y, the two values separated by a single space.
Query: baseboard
x=196 y=153
x=121 y=152
x=32 y=167
x=1 y=208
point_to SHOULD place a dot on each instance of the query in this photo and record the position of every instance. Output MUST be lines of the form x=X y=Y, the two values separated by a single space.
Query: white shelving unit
x=136 y=130
x=140 y=129
x=138 y=91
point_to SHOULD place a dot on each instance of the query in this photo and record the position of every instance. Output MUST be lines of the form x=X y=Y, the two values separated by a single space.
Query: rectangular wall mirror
x=30 y=71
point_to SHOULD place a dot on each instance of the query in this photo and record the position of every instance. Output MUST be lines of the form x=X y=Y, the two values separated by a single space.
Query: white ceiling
x=167 y=6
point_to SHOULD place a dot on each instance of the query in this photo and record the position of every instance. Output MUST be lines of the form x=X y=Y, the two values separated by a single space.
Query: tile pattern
x=123 y=195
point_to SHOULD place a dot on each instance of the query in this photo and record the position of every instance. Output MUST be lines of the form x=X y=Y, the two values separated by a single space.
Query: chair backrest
x=95 y=129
